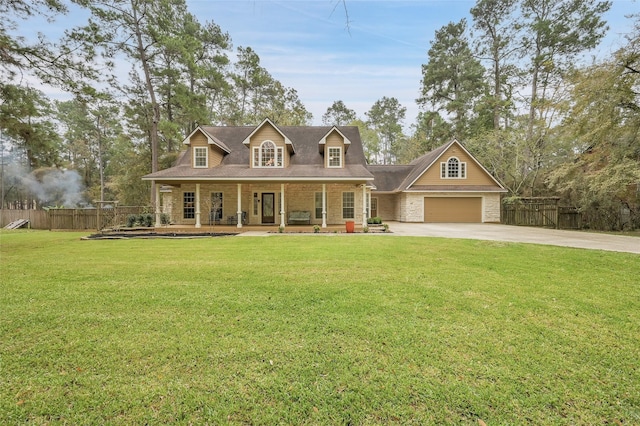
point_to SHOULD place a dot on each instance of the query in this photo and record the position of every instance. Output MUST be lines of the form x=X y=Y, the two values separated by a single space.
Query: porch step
x=376 y=228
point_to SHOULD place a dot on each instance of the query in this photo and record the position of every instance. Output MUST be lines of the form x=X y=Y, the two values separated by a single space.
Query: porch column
x=324 y=205
x=198 y=225
x=282 y=205
x=158 y=222
x=239 y=225
x=364 y=205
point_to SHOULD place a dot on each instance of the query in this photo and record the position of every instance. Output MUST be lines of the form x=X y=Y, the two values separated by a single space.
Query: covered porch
x=239 y=205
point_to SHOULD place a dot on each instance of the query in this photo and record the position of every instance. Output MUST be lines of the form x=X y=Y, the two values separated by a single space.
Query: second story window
x=268 y=155
x=200 y=156
x=335 y=157
x=453 y=169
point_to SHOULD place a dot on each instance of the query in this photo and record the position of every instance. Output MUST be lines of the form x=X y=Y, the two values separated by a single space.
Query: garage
x=453 y=209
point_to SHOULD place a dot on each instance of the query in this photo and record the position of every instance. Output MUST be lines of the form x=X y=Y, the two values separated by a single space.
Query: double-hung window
x=335 y=157
x=268 y=155
x=348 y=205
x=189 y=205
x=216 y=206
x=200 y=156
x=453 y=169
x=318 y=205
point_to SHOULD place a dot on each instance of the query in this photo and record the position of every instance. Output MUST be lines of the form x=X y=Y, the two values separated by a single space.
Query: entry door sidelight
x=268 y=207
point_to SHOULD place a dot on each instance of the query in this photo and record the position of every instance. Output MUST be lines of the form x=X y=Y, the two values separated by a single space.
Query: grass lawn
x=349 y=329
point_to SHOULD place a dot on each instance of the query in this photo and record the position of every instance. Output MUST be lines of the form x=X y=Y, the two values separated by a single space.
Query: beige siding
x=453 y=209
x=332 y=141
x=214 y=153
x=475 y=174
x=268 y=132
x=215 y=156
x=198 y=139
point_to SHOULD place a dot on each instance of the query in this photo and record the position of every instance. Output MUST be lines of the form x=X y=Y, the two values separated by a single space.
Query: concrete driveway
x=518 y=234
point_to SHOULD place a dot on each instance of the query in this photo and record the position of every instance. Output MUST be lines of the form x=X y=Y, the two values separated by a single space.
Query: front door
x=268 y=207
x=374 y=207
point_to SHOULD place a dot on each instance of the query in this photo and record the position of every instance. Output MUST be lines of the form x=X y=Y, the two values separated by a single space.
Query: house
x=284 y=175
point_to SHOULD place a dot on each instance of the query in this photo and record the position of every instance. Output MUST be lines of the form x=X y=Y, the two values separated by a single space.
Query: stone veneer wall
x=491 y=207
x=388 y=208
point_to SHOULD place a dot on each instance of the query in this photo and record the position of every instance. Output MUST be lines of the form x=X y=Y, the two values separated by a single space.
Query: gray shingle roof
x=306 y=162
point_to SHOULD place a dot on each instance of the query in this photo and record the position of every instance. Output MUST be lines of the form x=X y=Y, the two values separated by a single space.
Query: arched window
x=267 y=155
x=453 y=169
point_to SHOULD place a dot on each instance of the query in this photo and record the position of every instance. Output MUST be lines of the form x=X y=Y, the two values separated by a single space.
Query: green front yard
x=349 y=329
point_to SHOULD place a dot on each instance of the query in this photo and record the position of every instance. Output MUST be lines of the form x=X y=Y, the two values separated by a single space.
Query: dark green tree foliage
x=338 y=115
x=90 y=130
x=259 y=95
x=124 y=27
x=25 y=118
x=603 y=128
x=60 y=64
x=495 y=23
x=452 y=79
x=385 y=117
x=190 y=65
x=554 y=34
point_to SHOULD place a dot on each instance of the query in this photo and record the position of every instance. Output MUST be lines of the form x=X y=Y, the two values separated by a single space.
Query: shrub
x=365 y=229
x=165 y=219
x=316 y=228
x=131 y=220
x=147 y=220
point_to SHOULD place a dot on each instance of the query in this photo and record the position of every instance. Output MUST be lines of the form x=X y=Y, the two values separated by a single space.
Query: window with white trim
x=453 y=169
x=318 y=205
x=348 y=205
x=200 y=154
x=189 y=205
x=268 y=155
x=335 y=157
x=216 y=206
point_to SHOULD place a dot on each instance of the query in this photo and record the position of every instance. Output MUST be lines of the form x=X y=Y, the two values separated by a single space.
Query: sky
x=358 y=55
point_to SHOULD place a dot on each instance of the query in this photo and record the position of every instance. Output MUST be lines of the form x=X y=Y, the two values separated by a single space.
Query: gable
x=198 y=139
x=267 y=132
x=475 y=174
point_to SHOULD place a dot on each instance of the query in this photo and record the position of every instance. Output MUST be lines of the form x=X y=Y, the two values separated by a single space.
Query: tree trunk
x=153 y=133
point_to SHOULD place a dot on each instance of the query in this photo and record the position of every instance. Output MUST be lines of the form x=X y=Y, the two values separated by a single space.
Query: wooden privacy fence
x=38 y=219
x=80 y=219
x=541 y=212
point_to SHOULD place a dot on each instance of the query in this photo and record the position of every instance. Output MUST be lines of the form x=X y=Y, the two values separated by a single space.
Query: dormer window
x=335 y=157
x=453 y=169
x=200 y=157
x=268 y=155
